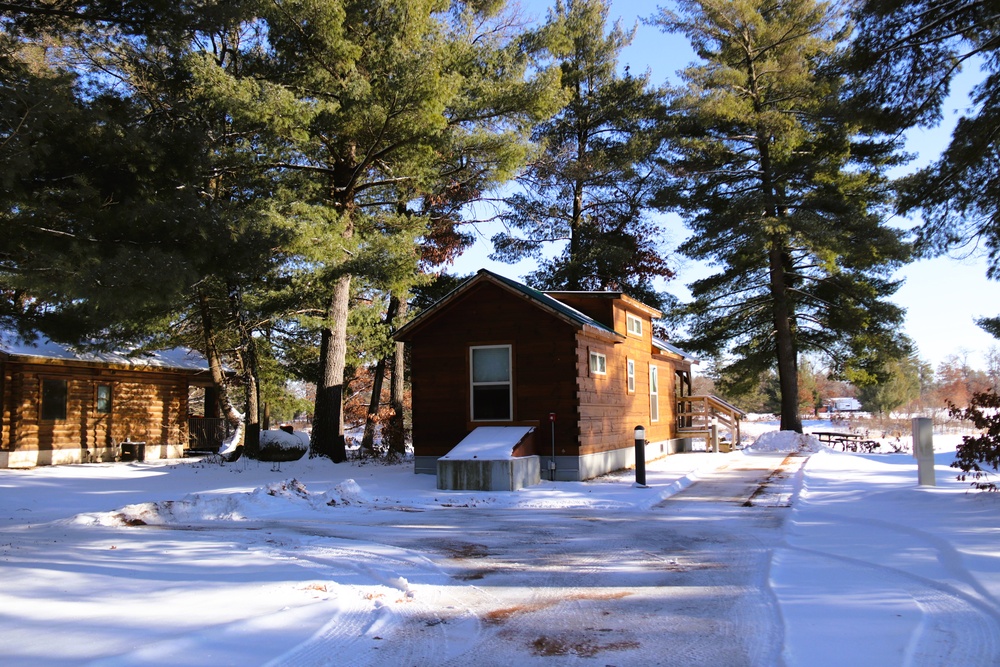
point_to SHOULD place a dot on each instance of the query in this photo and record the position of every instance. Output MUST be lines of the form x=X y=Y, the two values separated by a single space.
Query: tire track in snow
x=955 y=628
x=946 y=555
x=960 y=621
x=383 y=618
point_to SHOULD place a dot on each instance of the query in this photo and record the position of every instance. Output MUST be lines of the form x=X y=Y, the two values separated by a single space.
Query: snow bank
x=785 y=441
x=288 y=497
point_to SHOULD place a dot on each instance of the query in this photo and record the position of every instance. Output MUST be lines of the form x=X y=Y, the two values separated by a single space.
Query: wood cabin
x=582 y=368
x=63 y=406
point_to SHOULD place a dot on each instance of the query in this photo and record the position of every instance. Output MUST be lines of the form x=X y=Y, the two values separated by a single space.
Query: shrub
x=979 y=455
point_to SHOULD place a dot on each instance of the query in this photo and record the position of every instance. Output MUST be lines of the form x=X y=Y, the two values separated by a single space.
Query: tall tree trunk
x=368 y=440
x=779 y=279
x=328 y=413
x=229 y=411
x=328 y=417
x=788 y=366
x=251 y=369
x=371 y=419
x=397 y=428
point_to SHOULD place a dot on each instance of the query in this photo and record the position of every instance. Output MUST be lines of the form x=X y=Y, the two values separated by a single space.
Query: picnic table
x=849 y=442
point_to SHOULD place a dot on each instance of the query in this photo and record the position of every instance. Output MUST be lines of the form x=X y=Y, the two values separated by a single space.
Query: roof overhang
x=542 y=300
x=40 y=350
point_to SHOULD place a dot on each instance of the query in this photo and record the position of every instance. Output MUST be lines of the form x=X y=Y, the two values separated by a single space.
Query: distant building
x=846 y=404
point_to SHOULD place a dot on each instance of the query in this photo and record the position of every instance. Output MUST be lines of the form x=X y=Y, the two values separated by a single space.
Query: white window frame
x=598 y=363
x=633 y=324
x=654 y=394
x=509 y=382
x=630 y=374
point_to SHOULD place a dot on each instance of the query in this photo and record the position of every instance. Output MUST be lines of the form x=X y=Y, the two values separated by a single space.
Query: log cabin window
x=654 y=394
x=104 y=399
x=630 y=373
x=634 y=325
x=598 y=364
x=54 y=396
x=491 y=383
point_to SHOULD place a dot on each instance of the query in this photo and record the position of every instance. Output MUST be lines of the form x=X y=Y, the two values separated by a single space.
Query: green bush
x=979 y=455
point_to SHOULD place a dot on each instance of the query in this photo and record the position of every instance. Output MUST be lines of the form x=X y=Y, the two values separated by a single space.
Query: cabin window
x=630 y=372
x=598 y=364
x=634 y=325
x=104 y=399
x=491 y=383
x=54 y=396
x=654 y=394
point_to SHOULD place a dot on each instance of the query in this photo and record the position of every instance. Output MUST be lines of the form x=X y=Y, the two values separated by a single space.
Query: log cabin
x=59 y=405
x=582 y=369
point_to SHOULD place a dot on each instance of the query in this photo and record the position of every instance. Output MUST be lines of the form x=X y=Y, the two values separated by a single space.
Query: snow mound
x=347 y=492
x=288 y=497
x=785 y=441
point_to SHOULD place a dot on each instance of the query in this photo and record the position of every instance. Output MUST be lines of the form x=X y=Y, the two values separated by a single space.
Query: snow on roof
x=667 y=347
x=489 y=443
x=40 y=347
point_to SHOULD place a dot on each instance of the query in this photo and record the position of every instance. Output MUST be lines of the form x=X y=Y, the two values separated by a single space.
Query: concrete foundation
x=578 y=468
x=502 y=475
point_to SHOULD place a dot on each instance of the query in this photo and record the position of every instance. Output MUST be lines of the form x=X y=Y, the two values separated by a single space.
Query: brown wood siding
x=598 y=307
x=543 y=360
x=608 y=412
x=146 y=405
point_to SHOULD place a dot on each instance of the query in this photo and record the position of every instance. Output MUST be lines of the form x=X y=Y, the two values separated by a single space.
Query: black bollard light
x=640 y=456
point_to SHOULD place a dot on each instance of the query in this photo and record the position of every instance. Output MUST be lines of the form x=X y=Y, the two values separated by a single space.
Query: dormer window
x=634 y=325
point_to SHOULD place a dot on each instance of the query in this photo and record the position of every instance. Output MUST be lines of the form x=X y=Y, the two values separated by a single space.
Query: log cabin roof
x=634 y=304
x=541 y=299
x=663 y=345
x=14 y=347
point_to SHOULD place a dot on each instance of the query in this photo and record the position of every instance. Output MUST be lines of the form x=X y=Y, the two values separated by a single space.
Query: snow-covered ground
x=196 y=563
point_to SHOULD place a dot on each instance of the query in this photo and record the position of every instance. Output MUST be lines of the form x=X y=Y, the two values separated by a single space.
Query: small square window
x=104 y=399
x=598 y=364
x=634 y=325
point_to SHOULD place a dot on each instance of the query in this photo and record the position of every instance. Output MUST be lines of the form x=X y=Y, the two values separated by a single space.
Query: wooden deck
x=696 y=415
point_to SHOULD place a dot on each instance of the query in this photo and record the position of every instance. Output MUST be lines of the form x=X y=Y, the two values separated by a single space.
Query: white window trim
x=630 y=374
x=598 y=363
x=633 y=325
x=654 y=394
x=510 y=383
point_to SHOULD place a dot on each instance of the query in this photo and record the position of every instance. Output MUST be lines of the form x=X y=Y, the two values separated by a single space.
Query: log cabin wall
x=543 y=360
x=609 y=409
x=146 y=405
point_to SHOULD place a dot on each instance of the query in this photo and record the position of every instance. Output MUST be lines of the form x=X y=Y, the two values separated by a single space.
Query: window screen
x=491 y=385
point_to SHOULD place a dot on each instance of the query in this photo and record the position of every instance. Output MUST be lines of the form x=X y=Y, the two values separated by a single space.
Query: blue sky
x=943 y=296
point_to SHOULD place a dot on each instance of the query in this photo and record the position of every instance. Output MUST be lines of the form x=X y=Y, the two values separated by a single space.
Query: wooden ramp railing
x=697 y=414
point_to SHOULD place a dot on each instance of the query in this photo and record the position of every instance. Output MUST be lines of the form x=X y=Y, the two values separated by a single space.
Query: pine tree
x=409 y=95
x=900 y=386
x=167 y=223
x=590 y=184
x=905 y=58
x=783 y=191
